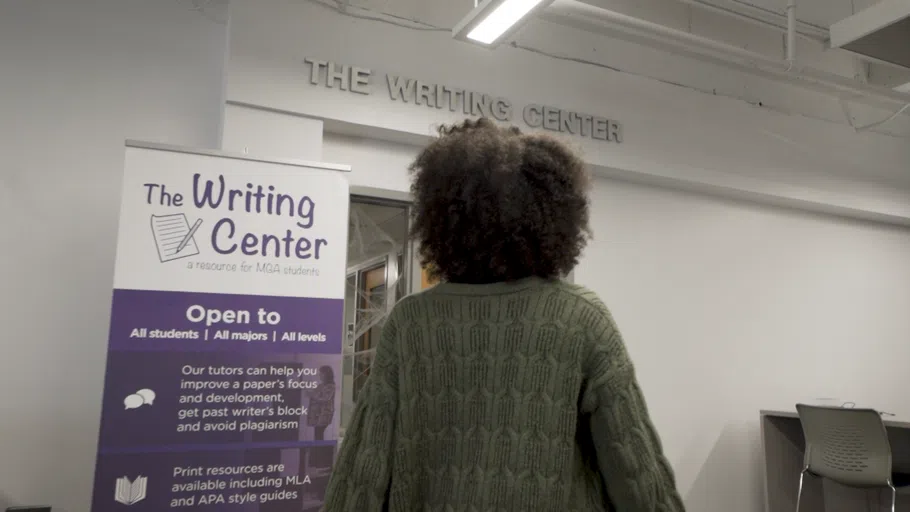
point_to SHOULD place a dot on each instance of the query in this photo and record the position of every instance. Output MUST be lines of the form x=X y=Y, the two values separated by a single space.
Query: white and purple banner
x=224 y=359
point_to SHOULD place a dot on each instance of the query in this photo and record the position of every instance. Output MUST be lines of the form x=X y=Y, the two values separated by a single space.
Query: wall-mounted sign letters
x=470 y=103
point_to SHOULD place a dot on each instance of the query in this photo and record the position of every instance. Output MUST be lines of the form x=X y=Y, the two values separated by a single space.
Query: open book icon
x=130 y=493
x=174 y=236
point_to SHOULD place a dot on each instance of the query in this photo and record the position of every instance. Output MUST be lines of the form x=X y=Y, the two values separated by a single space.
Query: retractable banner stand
x=224 y=360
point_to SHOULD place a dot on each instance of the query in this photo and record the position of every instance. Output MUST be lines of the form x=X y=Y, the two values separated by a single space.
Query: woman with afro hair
x=503 y=388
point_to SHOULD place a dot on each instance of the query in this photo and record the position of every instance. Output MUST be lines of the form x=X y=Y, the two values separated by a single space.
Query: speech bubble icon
x=148 y=396
x=133 y=402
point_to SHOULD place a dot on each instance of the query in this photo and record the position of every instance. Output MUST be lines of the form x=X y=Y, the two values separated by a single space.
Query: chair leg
x=893 y=497
x=799 y=495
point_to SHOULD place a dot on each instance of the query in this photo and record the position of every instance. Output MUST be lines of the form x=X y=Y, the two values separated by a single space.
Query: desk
x=783 y=445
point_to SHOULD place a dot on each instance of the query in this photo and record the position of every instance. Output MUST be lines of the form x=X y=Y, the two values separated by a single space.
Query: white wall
x=286 y=136
x=707 y=291
x=669 y=131
x=78 y=79
x=374 y=163
x=728 y=308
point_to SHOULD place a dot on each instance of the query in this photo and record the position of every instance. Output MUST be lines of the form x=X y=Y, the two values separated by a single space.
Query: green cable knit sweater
x=503 y=397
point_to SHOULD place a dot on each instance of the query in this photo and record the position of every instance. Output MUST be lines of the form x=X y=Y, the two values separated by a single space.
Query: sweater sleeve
x=362 y=474
x=637 y=475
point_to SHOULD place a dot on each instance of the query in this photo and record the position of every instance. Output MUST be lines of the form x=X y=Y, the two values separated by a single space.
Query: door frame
x=386 y=197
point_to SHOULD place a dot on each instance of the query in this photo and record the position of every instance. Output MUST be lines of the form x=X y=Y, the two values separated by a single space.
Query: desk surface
x=890 y=421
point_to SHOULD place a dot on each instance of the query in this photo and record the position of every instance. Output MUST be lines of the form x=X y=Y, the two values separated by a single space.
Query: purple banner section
x=146 y=321
x=169 y=400
x=243 y=480
x=219 y=402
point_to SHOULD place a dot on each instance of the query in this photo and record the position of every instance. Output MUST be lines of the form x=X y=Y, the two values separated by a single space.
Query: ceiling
x=446 y=13
x=744 y=35
x=439 y=13
x=822 y=13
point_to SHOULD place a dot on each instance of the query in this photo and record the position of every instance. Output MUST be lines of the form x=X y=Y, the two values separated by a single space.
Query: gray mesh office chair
x=849 y=446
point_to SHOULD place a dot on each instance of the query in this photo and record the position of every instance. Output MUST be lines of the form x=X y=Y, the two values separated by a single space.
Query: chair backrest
x=849 y=446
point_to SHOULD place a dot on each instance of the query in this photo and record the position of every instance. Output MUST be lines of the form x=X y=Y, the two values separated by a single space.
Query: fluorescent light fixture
x=501 y=19
x=494 y=20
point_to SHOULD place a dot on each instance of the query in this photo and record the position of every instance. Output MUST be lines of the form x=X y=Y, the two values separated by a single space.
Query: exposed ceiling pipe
x=791 y=34
x=810 y=33
x=592 y=18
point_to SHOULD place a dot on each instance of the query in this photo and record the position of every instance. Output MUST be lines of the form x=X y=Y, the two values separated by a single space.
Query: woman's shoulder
x=578 y=290
x=584 y=296
x=555 y=287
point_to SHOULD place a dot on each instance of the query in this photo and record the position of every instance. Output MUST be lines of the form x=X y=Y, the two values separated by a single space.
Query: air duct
x=880 y=32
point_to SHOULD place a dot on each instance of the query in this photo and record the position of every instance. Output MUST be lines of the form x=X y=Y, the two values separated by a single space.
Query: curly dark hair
x=493 y=204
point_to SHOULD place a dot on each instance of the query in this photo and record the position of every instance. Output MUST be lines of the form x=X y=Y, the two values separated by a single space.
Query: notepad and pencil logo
x=174 y=236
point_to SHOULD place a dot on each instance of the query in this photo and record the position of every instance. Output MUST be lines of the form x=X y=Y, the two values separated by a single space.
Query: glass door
x=378 y=275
